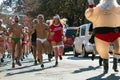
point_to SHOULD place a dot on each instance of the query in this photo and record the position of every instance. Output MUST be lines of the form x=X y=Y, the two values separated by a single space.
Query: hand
x=91 y=2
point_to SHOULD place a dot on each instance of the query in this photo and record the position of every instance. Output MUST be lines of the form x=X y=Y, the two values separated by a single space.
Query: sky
x=1 y=1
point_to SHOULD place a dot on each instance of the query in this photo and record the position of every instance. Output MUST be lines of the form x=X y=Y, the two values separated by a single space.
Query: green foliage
x=70 y=9
x=73 y=10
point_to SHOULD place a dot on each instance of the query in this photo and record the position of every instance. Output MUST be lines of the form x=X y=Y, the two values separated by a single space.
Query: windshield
x=70 y=32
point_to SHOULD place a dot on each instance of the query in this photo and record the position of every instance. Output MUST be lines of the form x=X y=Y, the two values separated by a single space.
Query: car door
x=76 y=41
x=80 y=39
x=87 y=45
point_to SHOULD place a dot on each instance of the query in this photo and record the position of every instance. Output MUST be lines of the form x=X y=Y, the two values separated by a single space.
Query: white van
x=81 y=45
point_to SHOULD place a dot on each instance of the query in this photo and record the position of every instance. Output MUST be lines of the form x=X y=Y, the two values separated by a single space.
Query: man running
x=16 y=30
x=42 y=32
x=3 y=32
x=33 y=41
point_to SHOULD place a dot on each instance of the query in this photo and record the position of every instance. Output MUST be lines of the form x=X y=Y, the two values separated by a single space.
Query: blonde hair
x=53 y=22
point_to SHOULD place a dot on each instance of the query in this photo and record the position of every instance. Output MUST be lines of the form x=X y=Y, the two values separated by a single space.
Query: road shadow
x=99 y=77
x=27 y=71
x=32 y=61
x=22 y=67
x=86 y=69
x=27 y=61
x=78 y=58
x=47 y=61
x=74 y=58
x=110 y=77
x=68 y=55
x=84 y=58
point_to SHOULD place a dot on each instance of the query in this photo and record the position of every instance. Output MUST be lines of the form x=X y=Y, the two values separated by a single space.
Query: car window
x=83 y=29
x=71 y=32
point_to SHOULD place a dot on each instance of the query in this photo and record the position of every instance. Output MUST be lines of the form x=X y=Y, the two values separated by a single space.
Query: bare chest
x=40 y=28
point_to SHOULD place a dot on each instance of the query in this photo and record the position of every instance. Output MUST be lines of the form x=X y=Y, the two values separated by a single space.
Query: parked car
x=68 y=38
x=81 y=45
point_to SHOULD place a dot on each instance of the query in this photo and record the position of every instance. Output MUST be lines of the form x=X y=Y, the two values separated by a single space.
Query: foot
x=56 y=64
x=42 y=66
x=49 y=59
x=116 y=70
x=2 y=60
x=18 y=63
x=93 y=57
x=105 y=72
x=100 y=63
x=39 y=60
x=4 y=55
x=21 y=59
x=13 y=65
x=35 y=62
x=60 y=57
x=26 y=54
x=118 y=60
x=8 y=56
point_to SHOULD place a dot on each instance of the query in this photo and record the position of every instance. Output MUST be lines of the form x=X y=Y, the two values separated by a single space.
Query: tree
x=73 y=10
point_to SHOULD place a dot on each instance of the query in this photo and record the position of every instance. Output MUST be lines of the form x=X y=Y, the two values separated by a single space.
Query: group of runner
x=39 y=38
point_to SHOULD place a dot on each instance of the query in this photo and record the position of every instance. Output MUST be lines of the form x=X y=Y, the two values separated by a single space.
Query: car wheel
x=75 y=53
x=84 y=53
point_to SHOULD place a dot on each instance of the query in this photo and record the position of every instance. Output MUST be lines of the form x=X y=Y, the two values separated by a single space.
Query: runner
x=56 y=38
x=3 y=33
x=91 y=40
x=50 y=50
x=9 y=45
x=106 y=27
x=16 y=30
x=42 y=31
x=25 y=42
x=33 y=41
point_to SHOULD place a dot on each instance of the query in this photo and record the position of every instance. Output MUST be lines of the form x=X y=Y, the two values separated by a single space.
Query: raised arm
x=90 y=10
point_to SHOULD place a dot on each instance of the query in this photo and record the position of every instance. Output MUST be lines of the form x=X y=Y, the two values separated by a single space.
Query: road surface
x=70 y=68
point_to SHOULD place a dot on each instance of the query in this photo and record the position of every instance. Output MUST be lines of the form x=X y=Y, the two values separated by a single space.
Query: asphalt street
x=70 y=68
